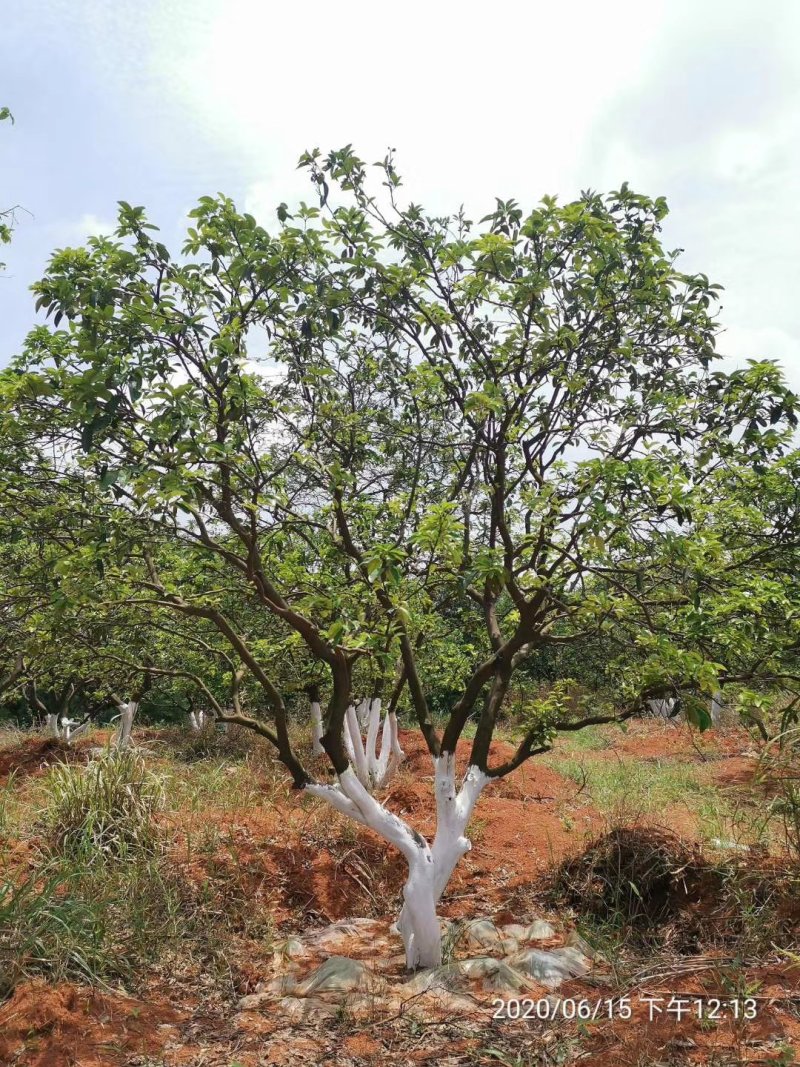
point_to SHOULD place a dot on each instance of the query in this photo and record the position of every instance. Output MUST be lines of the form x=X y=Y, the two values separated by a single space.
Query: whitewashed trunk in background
x=362 y=713
x=429 y=865
x=661 y=709
x=717 y=705
x=69 y=733
x=316 y=729
x=63 y=730
x=197 y=720
x=372 y=769
x=127 y=713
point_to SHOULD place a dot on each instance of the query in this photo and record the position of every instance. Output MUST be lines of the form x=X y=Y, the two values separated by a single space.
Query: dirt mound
x=65 y=1025
x=35 y=754
x=636 y=875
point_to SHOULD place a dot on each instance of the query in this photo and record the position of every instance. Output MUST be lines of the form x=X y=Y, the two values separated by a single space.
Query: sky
x=159 y=102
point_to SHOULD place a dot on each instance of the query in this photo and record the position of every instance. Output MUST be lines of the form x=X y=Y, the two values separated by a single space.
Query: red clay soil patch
x=71 y=1026
x=300 y=866
x=658 y=1036
x=736 y=771
x=654 y=739
x=35 y=754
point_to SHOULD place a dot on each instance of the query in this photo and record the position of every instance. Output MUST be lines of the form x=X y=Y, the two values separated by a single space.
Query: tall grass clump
x=47 y=930
x=106 y=808
x=103 y=901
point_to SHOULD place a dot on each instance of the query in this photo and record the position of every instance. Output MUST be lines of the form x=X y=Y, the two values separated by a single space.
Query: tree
x=376 y=424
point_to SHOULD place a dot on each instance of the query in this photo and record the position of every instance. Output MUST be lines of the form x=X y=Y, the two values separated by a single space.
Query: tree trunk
x=429 y=865
x=374 y=771
x=69 y=733
x=716 y=707
x=127 y=713
x=197 y=720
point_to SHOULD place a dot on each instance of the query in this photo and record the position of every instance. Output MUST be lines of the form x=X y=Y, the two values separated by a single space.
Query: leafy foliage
x=377 y=447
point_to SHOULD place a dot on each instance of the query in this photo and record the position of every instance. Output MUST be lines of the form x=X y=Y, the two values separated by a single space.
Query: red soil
x=653 y=1036
x=303 y=865
x=34 y=755
x=68 y=1026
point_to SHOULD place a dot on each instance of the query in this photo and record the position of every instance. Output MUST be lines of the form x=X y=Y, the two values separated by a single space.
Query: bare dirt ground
x=304 y=868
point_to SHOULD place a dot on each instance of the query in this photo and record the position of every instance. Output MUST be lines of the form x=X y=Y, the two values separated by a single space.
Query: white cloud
x=478 y=101
x=77 y=232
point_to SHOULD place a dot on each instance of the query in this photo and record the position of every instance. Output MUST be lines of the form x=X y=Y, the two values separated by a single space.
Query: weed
x=623 y=788
x=629 y=876
x=105 y=807
x=45 y=929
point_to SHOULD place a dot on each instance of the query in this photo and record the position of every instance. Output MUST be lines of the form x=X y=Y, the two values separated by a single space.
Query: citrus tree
x=374 y=423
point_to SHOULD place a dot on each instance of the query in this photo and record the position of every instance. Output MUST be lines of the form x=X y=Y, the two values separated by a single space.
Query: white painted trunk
x=64 y=728
x=429 y=865
x=362 y=713
x=127 y=713
x=316 y=729
x=373 y=725
x=372 y=769
x=391 y=755
x=661 y=709
x=197 y=720
x=69 y=733
x=453 y=812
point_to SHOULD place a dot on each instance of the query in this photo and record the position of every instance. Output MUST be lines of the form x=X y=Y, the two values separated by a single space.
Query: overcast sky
x=159 y=102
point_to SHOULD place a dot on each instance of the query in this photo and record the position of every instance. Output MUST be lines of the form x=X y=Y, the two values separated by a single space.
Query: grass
x=217 y=783
x=625 y=787
x=590 y=739
x=104 y=895
x=45 y=929
x=102 y=898
x=9 y=804
x=106 y=807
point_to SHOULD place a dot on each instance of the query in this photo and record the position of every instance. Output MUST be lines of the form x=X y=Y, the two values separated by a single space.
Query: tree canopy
x=376 y=450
